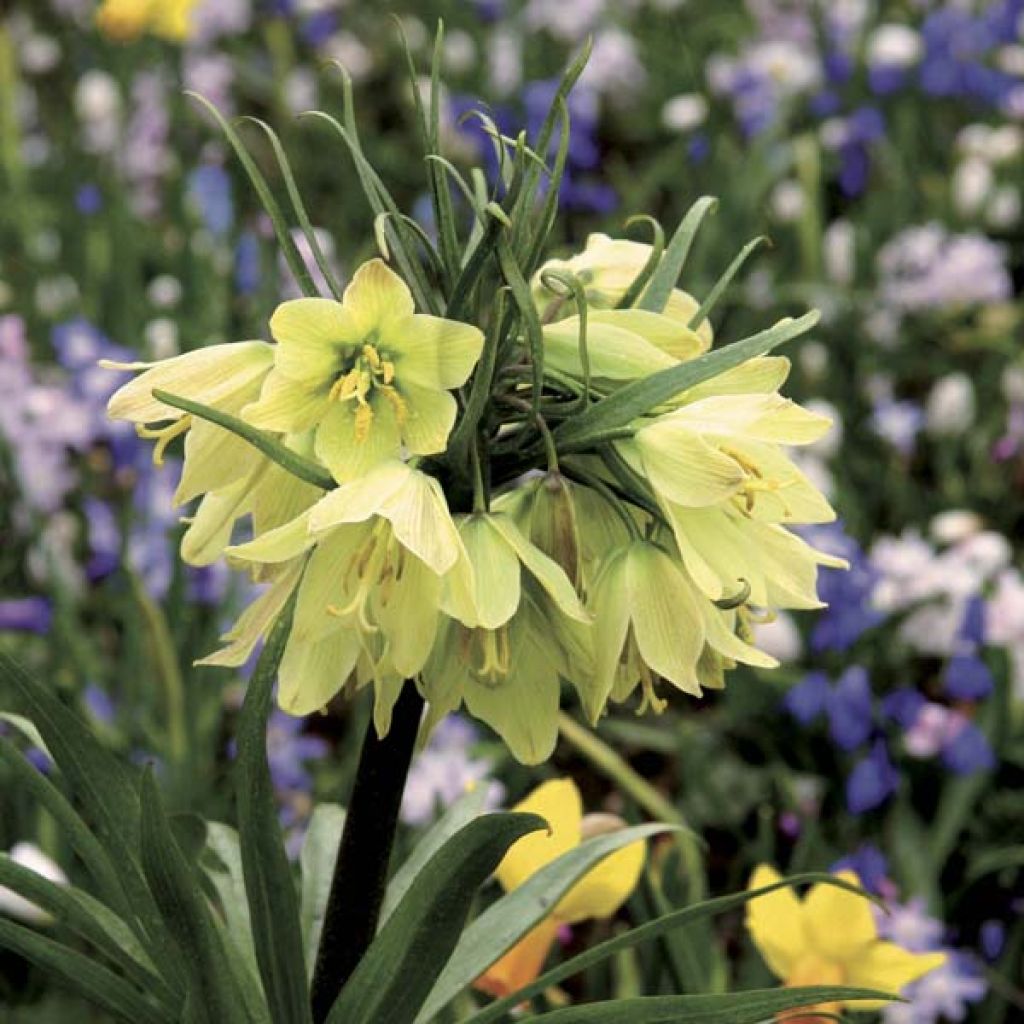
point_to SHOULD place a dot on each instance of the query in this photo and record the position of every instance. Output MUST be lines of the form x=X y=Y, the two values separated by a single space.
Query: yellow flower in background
x=599 y=894
x=607 y=267
x=829 y=938
x=126 y=20
x=368 y=375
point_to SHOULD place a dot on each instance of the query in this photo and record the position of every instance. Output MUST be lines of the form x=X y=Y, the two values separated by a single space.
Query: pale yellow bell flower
x=828 y=938
x=599 y=894
x=380 y=549
x=607 y=267
x=368 y=375
x=505 y=647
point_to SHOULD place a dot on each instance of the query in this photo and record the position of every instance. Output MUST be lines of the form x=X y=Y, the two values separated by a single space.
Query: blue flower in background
x=869 y=864
x=89 y=199
x=968 y=751
x=289 y=749
x=26 y=615
x=941 y=995
x=209 y=190
x=903 y=706
x=967 y=677
x=849 y=708
x=809 y=698
x=872 y=781
x=99 y=704
x=248 y=263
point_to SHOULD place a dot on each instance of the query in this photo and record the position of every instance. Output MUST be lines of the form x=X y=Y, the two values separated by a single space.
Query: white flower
x=788 y=201
x=28 y=855
x=954 y=525
x=972 y=183
x=779 y=638
x=949 y=409
x=894 y=46
x=839 y=251
x=684 y=112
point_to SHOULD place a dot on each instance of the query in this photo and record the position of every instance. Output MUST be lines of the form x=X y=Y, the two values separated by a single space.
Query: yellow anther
x=397 y=403
x=163 y=436
x=363 y=420
x=495 y=649
x=345 y=387
x=371 y=356
x=388 y=369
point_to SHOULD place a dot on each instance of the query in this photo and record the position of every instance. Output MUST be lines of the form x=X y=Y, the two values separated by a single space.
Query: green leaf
x=223 y=866
x=299 y=207
x=469 y=806
x=107 y=790
x=992 y=861
x=665 y=278
x=284 y=238
x=505 y=922
x=28 y=730
x=645 y=933
x=99 y=865
x=91 y=920
x=83 y=975
x=634 y=400
x=724 y=281
x=402 y=963
x=730 y=1008
x=297 y=465
x=269 y=881
x=317 y=859
x=212 y=994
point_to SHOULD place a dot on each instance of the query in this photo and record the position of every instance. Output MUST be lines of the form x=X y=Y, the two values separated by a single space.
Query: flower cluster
x=638 y=556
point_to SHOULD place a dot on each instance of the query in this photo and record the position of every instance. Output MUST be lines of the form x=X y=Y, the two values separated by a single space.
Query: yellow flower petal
x=429 y=418
x=604 y=889
x=609 y=604
x=559 y=803
x=349 y=454
x=776 y=923
x=376 y=298
x=279 y=545
x=312 y=335
x=435 y=353
x=496 y=571
x=839 y=923
x=286 y=405
x=886 y=967
x=312 y=672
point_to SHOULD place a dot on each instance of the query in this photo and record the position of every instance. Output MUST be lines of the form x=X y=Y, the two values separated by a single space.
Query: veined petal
x=559 y=803
x=312 y=672
x=327 y=583
x=755 y=376
x=721 y=636
x=614 y=352
x=609 y=604
x=682 y=306
x=665 y=332
x=208 y=375
x=667 y=622
x=682 y=467
x=214 y=458
x=496 y=574
x=209 y=531
x=349 y=454
x=406 y=612
x=886 y=967
x=547 y=572
x=761 y=417
x=839 y=924
x=254 y=622
x=287 y=405
x=376 y=298
x=776 y=923
x=278 y=545
x=435 y=353
x=430 y=418
x=312 y=335
x=361 y=499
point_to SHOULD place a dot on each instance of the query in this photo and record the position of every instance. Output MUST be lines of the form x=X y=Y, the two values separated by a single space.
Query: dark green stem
x=361 y=871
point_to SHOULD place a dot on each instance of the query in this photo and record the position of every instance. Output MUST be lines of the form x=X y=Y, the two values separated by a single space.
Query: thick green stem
x=361 y=870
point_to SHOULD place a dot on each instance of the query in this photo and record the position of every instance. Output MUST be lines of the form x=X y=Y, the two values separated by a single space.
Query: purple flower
x=992 y=939
x=26 y=615
x=289 y=748
x=89 y=199
x=99 y=704
x=849 y=708
x=910 y=926
x=903 y=706
x=809 y=698
x=967 y=677
x=941 y=995
x=209 y=191
x=869 y=864
x=872 y=781
x=968 y=751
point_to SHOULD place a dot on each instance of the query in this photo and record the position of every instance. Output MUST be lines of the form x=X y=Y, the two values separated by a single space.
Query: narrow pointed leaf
x=403 y=961
x=463 y=811
x=297 y=465
x=641 y=396
x=213 y=992
x=728 y=1008
x=269 y=882
x=724 y=281
x=665 y=278
x=317 y=859
x=83 y=975
x=505 y=922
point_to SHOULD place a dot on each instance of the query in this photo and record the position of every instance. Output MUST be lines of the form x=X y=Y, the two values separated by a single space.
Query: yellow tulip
x=599 y=894
x=829 y=938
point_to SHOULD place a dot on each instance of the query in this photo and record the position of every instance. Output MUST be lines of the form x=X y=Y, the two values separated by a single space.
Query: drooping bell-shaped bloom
x=829 y=937
x=506 y=646
x=368 y=375
x=599 y=894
